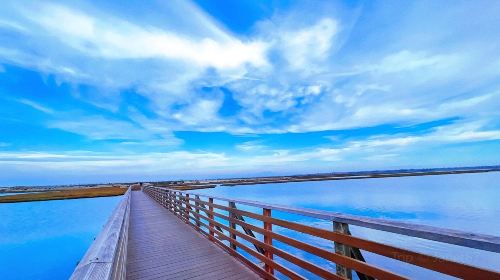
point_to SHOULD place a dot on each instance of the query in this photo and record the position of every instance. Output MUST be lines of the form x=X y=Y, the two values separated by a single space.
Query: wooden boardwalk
x=161 y=246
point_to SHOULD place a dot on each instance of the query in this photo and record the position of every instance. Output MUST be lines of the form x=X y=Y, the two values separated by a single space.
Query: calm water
x=45 y=240
x=469 y=202
x=13 y=193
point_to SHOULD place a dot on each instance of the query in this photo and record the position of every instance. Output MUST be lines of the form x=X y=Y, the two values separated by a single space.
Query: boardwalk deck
x=161 y=246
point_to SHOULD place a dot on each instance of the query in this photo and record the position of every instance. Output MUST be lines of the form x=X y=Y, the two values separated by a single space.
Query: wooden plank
x=162 y=246
x=346 y=242
x=106 y=257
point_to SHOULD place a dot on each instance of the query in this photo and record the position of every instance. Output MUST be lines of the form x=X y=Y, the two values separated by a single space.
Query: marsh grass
x=64 y=194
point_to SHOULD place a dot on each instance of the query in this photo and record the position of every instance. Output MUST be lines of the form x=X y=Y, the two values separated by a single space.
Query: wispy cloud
x=297 y=68
x=36 y=106
x=251 y=146
x=100 y=128
x=134 y=76
x=460 y=132
x=112 y=38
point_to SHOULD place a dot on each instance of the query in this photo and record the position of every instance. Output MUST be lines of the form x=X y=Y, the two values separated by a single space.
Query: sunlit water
x=468 y=202
x=13 y=193
x=45 y=240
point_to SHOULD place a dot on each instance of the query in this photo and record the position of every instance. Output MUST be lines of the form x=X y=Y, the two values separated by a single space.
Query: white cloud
x=36 y=106
x=374 y=152
x=100 y=128
x=407 y=61
x=250 y=146
x=200 y=112
x=167 y=163
x=295 y=72
x=309 y=45
x=8 y=24
x=112 y=38
x=460 y=132
x=166 y=64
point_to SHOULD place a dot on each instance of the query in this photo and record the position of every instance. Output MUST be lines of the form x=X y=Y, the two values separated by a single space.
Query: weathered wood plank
x=106 y=257
x=161 y=246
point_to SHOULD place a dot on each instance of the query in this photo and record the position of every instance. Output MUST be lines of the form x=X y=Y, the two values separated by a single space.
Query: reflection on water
x=12 y=193
x=468 y=202
x=45 y=240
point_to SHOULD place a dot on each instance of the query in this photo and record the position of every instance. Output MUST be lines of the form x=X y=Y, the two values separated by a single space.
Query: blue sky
x=134 y=90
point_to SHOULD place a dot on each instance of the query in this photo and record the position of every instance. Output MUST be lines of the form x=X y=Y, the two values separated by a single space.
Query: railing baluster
x=171 y=199
x=178 y=203
x=187 y=208
x=162 y=198
x=268 y=240
x=342 y=250
x=197 y=211
x=347 y=255
x=181 y=201
x=167 y=199
x=231 y=224
x=174 y=194
x=248 y=232
x=211 y=217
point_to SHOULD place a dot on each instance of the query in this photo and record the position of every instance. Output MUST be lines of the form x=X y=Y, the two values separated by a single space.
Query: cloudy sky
x=148 y=90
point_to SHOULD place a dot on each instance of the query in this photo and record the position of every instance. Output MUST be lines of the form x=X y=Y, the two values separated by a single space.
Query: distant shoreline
x=64 y=194
x=211 y=183
x=349 y=176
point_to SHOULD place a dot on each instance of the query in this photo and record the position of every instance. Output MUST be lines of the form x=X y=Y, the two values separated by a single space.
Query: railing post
x=211 y=217
x=181 y=199
x=167 y=199
x=174 y=200
x=342 y=250
x=232 y=225
x=162 y=193
x=187 y=207
x=165 y=195
x=177 y=204
x=268 y=240
x=197 y=204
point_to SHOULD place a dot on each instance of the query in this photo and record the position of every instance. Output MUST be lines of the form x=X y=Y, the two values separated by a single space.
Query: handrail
x=106 y=258
x=202 y=215
x=456 y=237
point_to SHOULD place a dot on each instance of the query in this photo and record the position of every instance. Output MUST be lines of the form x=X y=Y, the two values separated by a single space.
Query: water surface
x=468 y=202
x=12 y=193
x=46 y=239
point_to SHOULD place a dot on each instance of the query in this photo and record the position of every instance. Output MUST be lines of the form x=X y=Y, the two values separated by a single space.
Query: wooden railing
x=220 y=224
x=106 y=258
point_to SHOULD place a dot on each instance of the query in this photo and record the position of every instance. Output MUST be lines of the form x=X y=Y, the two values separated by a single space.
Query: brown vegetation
x=136 y=187
x=64 y=194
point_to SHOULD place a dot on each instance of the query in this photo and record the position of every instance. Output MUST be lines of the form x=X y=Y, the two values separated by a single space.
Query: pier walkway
x=160 y=233
x=161 y=246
